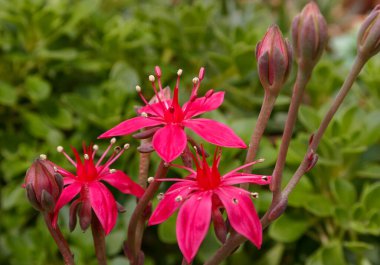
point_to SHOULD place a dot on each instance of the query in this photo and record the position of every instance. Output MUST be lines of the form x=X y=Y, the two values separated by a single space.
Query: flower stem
x=355 y=70
x=235 y=240
x=144 y=166
x=61 y=242
x=99 y=240
x=133 y=241
x=261 y=124
x=298 y=91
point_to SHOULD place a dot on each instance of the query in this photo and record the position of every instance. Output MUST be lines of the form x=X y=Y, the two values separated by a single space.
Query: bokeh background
x=68 y=71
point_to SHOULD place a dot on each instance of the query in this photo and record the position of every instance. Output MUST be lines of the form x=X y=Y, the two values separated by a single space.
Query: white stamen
x=95 y=147
x=152 y=78
x=43 y=156
x=138 y=89
x=255 y=195
x=59 y=149
x=179 y=72
x=150 y=179
x=195 y=80
x=86 y=157
x=112 y=170
x=160 y=196
x=260 y=160
x=126 y=146
x=113 y=140
x=178 y=198
x=144 y=114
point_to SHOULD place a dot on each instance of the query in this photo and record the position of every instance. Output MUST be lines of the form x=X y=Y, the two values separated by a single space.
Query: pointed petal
x=68 y=193
x=155 y=109
x=215 y=132
x=65 y=173
x=169 y=142
x=68 y=181
x=168 y=205
x=104 y=205
x=130 y=126
x=202 y=105
x=237 y=178
x=193 y=222
x=122 y=182
x=241 y=213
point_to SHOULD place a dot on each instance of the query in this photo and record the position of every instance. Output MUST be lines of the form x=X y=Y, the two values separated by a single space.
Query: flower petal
x=202 y=105
x=68 y=193
x=104 y=205
x=237 y=178
x=192 y=223
x=155 y=109
x=215 y=132
x=122 y=182
x=168 y=205
x=130 y=126
x=241 y=213
x=169 y=142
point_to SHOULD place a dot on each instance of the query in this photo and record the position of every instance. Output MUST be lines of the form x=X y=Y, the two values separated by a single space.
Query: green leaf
x=37 y=88
x=328 y=254
x=8 y=94
x=371 y=198
x=344 y=192
x=166 y=230
x=289 y=228
x=309 y=118
x=319 y=205
x=125 y=77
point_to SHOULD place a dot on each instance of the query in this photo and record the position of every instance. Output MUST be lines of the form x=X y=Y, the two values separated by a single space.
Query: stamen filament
x=112 y=142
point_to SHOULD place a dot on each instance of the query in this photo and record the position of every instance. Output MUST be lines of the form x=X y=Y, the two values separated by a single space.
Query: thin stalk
x=355 y=70
x=261 y=124
x=133 y=245
x=298 y=91
x=98 y=237
x=235 y=240
x=61 y=242
x=144 y=166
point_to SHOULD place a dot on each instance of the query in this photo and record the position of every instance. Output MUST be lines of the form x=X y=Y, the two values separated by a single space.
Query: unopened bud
x=369 y=34
x=274 y=59
x=85 y=215
x=309 y=33
x=42 y=185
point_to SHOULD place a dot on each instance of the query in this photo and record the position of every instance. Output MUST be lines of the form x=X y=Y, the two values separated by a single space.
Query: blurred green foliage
x=68 y=71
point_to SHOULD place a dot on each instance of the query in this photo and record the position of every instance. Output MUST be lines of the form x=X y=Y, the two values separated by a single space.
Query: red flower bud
x=274 y=59
x=369 y=34
x=309 y=33
x=43 y=185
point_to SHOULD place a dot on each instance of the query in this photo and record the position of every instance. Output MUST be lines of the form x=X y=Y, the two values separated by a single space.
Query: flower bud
x=309 y=33
x=369 y=34
x=274 y=59
x=43 y=185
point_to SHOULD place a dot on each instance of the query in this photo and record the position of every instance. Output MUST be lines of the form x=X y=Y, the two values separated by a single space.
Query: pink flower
x=201 y=195
x=170 y=140
x=93 y=194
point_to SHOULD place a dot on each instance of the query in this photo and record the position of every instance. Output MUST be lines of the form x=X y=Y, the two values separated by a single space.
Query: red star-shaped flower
x=93 y=194
x=201 y=195
x=170 y=140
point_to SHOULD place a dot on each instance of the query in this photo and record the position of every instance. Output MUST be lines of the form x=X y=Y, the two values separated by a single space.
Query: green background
x=68 y=71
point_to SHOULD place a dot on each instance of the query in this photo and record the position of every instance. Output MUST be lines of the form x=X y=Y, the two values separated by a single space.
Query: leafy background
x=68 y=71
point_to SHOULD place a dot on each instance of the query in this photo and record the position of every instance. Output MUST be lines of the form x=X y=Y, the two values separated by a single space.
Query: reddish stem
x=61 y=242
x=98 y=236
